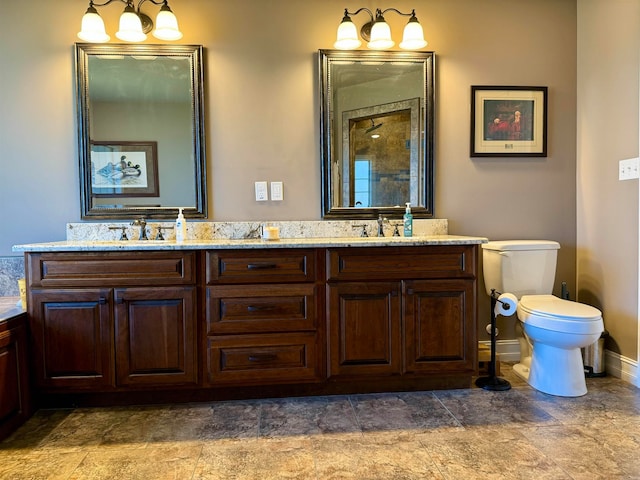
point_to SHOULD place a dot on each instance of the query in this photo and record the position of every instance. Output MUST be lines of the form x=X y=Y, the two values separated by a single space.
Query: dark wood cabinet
x=262 y=314
x=155 y=336
x=124 y=332
x=229 y=323
x=15 y=392
x=365 y=328
x=72 y=337
x=439 y=326
x=422 y=322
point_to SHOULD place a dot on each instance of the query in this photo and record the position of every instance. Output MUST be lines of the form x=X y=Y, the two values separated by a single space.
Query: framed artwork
x=508 y=121
x=124 y=169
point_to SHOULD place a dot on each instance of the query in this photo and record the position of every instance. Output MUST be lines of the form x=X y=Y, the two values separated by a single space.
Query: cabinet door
x=440 y=330
x=155 y=335
x=364 y=328
x=72 y=335
x=14 y=384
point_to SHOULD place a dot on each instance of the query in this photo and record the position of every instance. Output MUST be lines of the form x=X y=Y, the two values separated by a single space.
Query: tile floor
x=451 y=434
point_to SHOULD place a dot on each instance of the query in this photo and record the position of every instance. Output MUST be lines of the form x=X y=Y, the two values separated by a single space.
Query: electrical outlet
x=629 y=169
x=276 y=191
x=261 y=192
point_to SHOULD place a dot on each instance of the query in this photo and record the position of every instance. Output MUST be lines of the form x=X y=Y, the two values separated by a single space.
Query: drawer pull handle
x=262 y=357
x=261 y=266
x=260 y=308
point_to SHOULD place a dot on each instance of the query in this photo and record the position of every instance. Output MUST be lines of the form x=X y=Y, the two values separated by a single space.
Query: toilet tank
x=521 y=267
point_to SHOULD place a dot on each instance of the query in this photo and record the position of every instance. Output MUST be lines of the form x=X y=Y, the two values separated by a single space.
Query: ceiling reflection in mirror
x=377 y=133
x=141 y=138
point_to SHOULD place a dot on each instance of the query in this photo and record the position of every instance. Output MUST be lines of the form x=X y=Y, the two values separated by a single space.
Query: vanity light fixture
x=377 y=32
x=134 y=25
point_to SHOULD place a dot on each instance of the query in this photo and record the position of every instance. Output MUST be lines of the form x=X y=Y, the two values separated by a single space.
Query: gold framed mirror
x=141 y=143
x=377 y=133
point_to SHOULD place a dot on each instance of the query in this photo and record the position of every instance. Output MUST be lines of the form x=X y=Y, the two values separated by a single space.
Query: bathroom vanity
x=116 y=322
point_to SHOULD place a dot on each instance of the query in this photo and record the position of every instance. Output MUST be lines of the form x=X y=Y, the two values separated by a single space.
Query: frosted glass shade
x=130 y=27
x=92 y=29
x=380 y=36
x=167 y=25
x=413 y=36
x=347 y=37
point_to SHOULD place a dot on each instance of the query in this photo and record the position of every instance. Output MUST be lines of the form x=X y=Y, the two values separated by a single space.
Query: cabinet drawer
x=261 y=359
x=261 y=308
x=397 y=263
x=261 y=266
x=111 y=268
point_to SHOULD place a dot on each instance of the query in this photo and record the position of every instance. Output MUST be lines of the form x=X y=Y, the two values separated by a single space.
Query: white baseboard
x=509 y=350
x=615 y=364
x=621 y=367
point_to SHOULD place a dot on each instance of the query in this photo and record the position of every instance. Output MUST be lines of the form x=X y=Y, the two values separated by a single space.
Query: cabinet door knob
x=102 y=301
x=409 y=291
x=119 y=300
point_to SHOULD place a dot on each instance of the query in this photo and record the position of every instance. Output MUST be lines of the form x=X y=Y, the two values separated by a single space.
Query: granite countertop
x=75 y=245
x=9 y=308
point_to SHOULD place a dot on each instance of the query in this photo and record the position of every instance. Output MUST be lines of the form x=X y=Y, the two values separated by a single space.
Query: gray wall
x=262 y=115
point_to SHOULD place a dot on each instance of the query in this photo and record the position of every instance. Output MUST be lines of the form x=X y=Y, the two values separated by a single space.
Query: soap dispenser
x=181 y=227
x=408 y=221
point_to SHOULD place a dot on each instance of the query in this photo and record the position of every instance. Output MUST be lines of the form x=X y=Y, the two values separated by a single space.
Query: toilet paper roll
x=506 y=304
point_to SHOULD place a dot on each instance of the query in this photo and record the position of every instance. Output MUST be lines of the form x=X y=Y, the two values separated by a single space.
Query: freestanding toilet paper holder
x=492 y=381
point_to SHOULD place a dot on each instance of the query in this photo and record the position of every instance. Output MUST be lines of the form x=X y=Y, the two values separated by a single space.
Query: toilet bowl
x=558 y=329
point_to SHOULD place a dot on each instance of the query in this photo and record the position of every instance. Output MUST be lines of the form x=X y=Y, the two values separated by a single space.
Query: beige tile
x=158 y=462
x=490 y=453
x=588 y=452
x=478 y=407
x=373 y=456
x=259 y=459
x=31 y=465
x=307 y=416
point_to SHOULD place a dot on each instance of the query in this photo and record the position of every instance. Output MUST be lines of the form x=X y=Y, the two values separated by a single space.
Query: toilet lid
x=553 y=313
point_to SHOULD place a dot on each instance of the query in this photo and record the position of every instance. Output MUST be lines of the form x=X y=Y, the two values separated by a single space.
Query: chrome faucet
x=381 y=221
x=142 y=223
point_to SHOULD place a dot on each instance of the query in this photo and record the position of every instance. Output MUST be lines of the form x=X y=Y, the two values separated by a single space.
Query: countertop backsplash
x=199 y=230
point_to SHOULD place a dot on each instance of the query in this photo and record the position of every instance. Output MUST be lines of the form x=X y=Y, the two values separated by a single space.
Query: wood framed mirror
x=141 y=143
x=377 y=133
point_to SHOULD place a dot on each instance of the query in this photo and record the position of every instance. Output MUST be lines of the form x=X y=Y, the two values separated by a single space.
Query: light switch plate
x=629 y=169
x=261 y=192
x=276 y=191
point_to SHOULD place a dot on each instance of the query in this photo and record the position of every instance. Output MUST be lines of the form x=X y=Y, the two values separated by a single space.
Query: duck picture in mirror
x=377 y=133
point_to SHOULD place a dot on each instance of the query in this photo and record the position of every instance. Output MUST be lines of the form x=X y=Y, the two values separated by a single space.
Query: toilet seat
x=553 y=313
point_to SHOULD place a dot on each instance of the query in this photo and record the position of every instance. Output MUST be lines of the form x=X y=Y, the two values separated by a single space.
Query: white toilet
x=556 y=328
